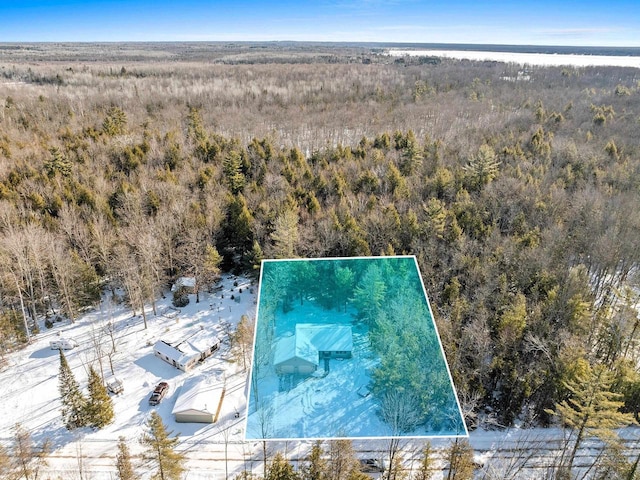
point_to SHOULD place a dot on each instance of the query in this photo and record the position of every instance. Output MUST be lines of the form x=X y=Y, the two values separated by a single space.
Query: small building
x=295 y=356
x=301 y=353
x=198 y=402
x=185 y=354
x=188 y=283
x=173 y=355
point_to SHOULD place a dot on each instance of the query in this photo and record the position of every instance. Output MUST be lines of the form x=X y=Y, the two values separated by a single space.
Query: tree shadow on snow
x=45 y=353
x=157 y=367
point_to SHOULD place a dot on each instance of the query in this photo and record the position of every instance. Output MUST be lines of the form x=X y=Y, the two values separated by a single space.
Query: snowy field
x=29 y=380
x=541 y=59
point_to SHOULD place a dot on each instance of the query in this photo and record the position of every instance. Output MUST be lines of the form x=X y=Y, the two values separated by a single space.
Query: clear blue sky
x=541 y=22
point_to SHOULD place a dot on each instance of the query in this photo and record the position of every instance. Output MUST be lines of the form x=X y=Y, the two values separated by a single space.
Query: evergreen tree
x=254 y=259
x=317 y=467
x=281 y=469
x=57 y=164
x=232 y=169
x=460 y=457
x=99 y=410
x=161 y=450
x=195 y=128
x=115 y=122
x=123 y=461
x=342 y=461
x=285 y=235
x=73 y=402
x=210 y=265
x=426 y=469
x=592 y=410
x=483 y=168
x=237 y=237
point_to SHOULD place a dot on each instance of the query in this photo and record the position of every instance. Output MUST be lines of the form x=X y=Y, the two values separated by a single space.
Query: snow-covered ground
x=542 y=59
x=29 y=394
x=320 y=406
x=29 y=379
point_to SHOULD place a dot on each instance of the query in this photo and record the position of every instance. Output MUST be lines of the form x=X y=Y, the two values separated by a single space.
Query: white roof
x=181 y=357
x=183 y=351
x=200 y=341
x=326 y=338
x=310 y=339
x=198 y=397
x=290 y=347
x=189 y=282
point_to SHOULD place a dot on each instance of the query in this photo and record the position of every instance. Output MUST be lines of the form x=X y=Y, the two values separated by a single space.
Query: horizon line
x=319 y=42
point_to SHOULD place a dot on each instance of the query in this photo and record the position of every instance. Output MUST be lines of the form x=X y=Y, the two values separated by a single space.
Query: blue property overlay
x=347 y=348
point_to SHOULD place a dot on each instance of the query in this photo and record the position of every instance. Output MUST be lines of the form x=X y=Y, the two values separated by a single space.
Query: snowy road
x=516 y=454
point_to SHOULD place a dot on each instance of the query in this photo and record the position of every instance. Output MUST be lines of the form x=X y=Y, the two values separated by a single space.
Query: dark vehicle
x=159 y=393
x=371 y=465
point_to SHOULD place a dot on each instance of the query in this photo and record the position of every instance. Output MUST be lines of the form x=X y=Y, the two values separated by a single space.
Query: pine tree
x=317 y=467
x=285 y=235
x=342 y=461
x=483 y=168
x=161 y=450
x=123 y=461
x=281 y=469
x=232 y=169
x=254 y=258
x=115 y=122
x=99 y=411
x=426 y=469
x=592 y=410
x=210 y=265
x=460 y=457
x=73 y=402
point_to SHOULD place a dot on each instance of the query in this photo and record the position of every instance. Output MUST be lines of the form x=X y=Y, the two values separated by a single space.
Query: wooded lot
x=518 y=195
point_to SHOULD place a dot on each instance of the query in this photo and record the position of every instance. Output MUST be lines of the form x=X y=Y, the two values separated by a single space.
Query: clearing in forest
x=347 y=348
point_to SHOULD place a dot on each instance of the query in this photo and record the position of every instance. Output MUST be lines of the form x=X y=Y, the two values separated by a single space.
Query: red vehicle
x=159 y=393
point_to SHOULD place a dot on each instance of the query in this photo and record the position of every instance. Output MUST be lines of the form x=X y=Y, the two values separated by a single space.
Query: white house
x=199 y=402
x=301 y=353
x=185 y=354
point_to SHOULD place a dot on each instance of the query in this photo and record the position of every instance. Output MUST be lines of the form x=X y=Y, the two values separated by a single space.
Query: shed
x=188 y=283
x=198 y=403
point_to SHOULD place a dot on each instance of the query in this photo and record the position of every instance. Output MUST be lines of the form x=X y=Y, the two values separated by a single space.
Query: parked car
x=115 y=385
x=371 y=465
x=159 y=393
x=63 y=344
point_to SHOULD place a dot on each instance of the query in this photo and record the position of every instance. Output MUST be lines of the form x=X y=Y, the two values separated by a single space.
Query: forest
x=516 y=189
